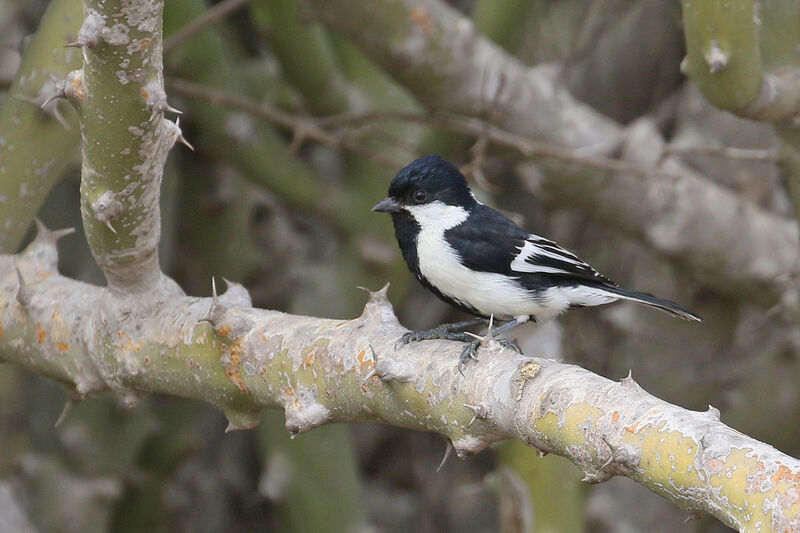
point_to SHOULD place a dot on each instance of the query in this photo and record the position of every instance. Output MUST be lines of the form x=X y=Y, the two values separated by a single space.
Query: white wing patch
x=535 y=247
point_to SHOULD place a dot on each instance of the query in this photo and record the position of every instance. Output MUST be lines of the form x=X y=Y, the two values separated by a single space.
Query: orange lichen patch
x=420 y=16
x=62 y=346
x=45 y=274
x=126 y=344
x=144 y=93
x=40 y=333
x=232 y=368
x=77 y=88
x=146 y=360
x=363 y=363
x=288 y=391
x=145 y=43
x=633 y=427
x=784 y=473
x=615 y=416
x=224 y=330
x=309 y=360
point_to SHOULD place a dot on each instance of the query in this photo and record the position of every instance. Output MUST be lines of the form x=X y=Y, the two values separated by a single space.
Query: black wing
x=488 y=241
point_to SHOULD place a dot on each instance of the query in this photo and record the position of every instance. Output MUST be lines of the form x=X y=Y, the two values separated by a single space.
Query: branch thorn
x=23 y=294
x=64 y=411
x=181 y=138
x=447 y=453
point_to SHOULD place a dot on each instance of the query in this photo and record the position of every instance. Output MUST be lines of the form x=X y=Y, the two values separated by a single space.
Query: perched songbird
x=478 y=260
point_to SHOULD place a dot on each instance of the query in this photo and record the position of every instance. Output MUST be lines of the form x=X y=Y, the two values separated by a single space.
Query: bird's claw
x=411 y=336
x=510 y=343
x=469 y=352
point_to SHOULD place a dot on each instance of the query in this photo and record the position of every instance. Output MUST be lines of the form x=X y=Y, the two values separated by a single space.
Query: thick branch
x=120 y=96
x=434 y=51
x=319 y=370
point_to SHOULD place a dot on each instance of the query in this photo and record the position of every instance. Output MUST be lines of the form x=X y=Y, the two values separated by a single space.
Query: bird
x=478 y=260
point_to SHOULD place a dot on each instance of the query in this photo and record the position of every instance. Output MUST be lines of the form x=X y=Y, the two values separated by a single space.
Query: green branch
x=739 y=54
x=121 y=100
x=319 y=371
x=37 y=146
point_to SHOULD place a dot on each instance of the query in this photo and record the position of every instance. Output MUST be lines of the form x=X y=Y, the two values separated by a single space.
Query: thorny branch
x=319 y=371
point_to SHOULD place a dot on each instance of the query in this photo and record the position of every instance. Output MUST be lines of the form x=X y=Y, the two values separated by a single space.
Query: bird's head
x=429 y=187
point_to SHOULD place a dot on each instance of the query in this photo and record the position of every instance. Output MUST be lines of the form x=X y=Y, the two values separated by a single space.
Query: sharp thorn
x=447 y=453
x=214 y=289
x=22 y=297
x=57 y=234
x=372 y=373
x=109 y=226
x=56 y=96
x=184 y=142
x=43 y=232
x=64 y=411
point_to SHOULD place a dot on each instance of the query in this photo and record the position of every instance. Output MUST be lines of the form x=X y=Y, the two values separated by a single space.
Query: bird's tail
x=648 y=299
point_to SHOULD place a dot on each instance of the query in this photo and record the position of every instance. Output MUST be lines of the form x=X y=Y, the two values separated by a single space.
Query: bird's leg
x=511 y=324
x=453 y=332
x=471 y=349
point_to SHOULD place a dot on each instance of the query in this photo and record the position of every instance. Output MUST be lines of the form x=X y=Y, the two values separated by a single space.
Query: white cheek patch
x=437 y=216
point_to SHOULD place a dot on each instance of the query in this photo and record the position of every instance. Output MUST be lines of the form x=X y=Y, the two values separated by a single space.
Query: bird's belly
x=487 y=292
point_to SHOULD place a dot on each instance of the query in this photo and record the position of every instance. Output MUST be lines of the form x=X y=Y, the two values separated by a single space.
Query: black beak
x=387 y=205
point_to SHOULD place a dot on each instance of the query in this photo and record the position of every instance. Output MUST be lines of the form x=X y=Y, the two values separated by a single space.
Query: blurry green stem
x=503 y=21
x=305 y=55
x=35 y=149
x=262 y=153
x=726 y=61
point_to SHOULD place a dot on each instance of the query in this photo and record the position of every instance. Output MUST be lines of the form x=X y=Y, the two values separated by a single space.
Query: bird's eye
x=420 y=196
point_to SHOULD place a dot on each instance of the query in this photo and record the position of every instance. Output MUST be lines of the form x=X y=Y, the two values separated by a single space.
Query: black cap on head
x=439 y=179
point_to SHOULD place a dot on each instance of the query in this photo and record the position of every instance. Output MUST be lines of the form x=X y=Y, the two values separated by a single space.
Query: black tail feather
x=659 y=303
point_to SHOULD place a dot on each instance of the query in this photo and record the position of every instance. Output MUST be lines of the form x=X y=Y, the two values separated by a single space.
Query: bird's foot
x=453 y=332
x=470 y=351
x=510 y=343
x=445 y=331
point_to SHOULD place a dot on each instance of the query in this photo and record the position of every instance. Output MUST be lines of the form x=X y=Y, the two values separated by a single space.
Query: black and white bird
x=475 y=258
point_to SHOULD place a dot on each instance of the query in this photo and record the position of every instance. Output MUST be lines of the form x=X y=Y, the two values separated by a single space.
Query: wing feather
x=490 y=242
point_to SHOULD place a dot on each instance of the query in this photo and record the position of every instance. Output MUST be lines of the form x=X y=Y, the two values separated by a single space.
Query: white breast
x=487 y=292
